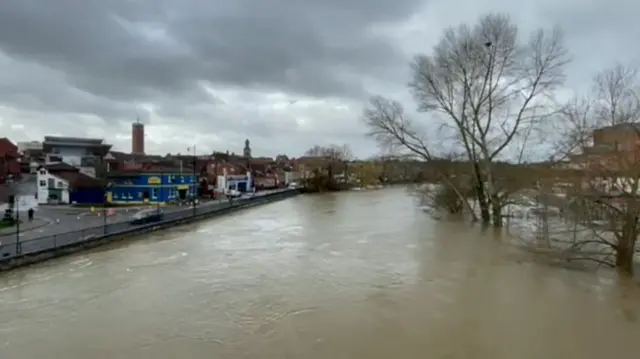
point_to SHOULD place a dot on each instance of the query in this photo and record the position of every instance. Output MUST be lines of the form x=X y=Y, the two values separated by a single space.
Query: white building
x=83 y=153
x=240 y=183
x=51 y=188
x=74 y=151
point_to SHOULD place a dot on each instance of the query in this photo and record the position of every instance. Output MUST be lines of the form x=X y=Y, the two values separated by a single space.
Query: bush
x=445 y=198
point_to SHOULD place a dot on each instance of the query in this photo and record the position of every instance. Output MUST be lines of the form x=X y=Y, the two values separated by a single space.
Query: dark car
x=147 y=216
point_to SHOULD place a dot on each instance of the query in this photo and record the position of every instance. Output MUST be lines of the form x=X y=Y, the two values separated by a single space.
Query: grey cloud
x=36 y=88
x=66 y=59
x=288 y=45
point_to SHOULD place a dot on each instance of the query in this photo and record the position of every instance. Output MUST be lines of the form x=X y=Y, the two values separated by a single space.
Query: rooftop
x=151 y=169
x=78 y=179
x=78 y=140
x=625 y=126
x=55 y=141
x=123 y=156
x=60 y=167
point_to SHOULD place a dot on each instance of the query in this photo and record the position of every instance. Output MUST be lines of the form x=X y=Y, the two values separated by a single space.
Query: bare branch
x=602 y=137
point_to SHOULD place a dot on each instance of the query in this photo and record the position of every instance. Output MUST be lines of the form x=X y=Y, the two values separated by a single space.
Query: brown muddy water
x=349 y=275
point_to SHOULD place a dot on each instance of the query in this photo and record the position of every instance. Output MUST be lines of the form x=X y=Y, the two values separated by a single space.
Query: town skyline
x=124 y=145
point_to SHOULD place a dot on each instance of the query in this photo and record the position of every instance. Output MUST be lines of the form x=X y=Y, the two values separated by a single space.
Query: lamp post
x=159 y=193
x=107 y=186
x=18 y=243
x=194 y=179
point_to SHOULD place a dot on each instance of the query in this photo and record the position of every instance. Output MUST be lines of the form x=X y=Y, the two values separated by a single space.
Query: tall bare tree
x=388 y=124
x=489 y=88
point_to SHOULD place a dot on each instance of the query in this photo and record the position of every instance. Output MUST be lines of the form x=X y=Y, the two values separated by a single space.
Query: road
x=69 y=227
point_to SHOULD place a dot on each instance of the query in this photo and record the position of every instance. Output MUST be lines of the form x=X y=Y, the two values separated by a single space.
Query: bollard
x=78 y=217
x=57 y=220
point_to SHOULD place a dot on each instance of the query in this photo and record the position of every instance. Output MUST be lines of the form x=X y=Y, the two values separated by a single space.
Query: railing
x=50 y=243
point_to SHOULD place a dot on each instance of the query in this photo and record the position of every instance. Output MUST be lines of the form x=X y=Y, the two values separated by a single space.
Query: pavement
x=66 y=227
x=25 y=226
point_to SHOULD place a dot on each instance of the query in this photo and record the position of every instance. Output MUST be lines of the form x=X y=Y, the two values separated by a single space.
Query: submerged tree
x=605 y=127
x=487 y=88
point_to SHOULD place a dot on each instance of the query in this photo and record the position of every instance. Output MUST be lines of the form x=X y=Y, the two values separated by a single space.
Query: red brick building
x=9 y=160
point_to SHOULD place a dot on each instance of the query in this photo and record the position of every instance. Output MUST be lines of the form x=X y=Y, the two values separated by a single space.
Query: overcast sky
x=287 y=74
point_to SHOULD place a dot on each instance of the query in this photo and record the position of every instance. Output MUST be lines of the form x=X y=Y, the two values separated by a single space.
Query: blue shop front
x=139 y=188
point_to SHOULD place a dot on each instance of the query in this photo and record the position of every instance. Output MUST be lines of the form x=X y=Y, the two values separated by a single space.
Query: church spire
x=247 y=149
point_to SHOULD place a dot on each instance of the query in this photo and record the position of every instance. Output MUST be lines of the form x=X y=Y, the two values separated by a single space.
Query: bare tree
x=606 y=131
x=488 y=88
x=330 y=160
x=394 y=130
x=333 y=152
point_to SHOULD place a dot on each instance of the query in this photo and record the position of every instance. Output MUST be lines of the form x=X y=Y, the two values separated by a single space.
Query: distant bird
x=488 y=44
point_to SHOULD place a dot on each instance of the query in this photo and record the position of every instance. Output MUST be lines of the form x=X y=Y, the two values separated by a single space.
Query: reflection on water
x=354 y=275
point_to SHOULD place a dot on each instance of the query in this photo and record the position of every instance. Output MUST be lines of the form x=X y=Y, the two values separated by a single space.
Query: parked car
x=233 y=193
x=147 y=216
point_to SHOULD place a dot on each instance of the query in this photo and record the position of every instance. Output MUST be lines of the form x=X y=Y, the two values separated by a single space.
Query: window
x=55 y=150
x=43 y=183
x=51 y=182
x=60 y=184
x=155 y=193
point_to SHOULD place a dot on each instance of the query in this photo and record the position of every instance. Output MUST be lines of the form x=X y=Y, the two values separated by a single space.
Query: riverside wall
x=47 y=247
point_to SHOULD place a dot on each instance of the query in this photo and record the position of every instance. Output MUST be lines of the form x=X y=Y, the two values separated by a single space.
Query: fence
x=74 y=239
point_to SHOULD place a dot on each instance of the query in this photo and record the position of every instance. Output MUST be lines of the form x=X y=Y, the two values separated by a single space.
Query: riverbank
x=45 y=248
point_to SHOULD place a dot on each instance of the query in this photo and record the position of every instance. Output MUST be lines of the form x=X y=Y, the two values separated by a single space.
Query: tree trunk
x=485 y=214
x=624 y=259
x=625 y=249
x=496 y=208
x=481 y=196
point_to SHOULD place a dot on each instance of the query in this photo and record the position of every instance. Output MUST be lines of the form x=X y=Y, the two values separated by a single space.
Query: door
x=55 y=195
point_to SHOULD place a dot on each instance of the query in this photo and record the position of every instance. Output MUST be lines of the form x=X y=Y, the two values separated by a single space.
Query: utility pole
x=194 y=179
x=107 y=187
x=17 y=207
x=159 y=191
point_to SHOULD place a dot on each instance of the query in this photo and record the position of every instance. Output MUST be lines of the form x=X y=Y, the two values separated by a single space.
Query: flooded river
x=363 y=275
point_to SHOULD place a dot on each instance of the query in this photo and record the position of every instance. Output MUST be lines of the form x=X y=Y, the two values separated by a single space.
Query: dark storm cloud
x=105 y=61
x=122 y=49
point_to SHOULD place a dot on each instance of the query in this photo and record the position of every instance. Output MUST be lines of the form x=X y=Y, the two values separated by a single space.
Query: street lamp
x=107 y=186
x=194 y=179
x=159 y=191
x=17 y=207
